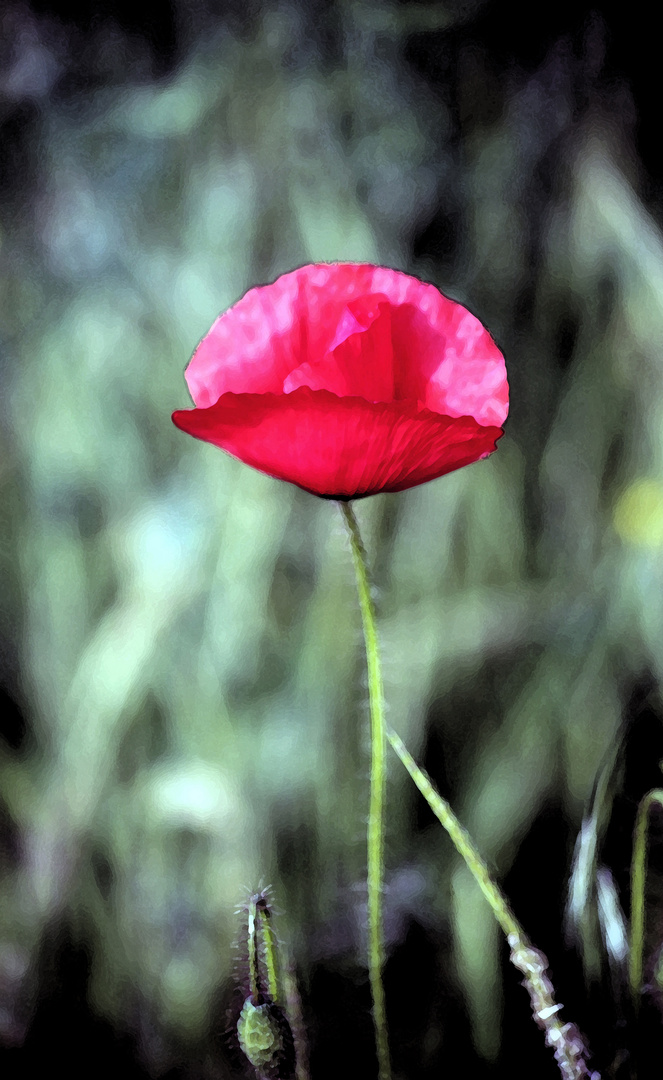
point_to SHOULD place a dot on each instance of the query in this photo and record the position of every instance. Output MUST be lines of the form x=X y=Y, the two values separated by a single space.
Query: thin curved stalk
x=564 y=1039
x=375 y=831
x=638 y=882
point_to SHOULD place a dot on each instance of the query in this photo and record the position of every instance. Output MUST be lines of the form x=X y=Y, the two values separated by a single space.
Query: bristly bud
x=263 y=1031
x=266 y=1039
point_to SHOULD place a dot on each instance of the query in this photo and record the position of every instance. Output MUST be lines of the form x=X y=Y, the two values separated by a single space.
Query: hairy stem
x=570 y=1050
x=462 y=841
x=375 y=832
x=638 y=881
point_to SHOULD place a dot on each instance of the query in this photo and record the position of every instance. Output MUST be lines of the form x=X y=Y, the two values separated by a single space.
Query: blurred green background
x=180 y=654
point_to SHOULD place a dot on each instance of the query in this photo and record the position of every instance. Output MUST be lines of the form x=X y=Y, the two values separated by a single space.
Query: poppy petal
x=339 y=447
x=322 y=315
x=360 y=359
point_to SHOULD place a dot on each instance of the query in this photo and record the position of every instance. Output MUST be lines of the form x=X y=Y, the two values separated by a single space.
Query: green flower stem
x=375 y=832
x=463 y=843
x=254 y=954
x=263 y=977
x=638 y=880
x=563 y=1038
x=269 y=950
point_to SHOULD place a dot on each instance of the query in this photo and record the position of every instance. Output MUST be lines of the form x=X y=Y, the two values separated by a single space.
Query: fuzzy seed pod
x=262 y=1028
x=265 y=1036
x=260 y=1033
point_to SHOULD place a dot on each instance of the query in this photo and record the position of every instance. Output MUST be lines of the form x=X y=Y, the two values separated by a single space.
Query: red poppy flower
x=348 y=379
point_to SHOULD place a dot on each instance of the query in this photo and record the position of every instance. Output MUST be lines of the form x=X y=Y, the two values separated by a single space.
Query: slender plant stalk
x=269 y=952
x=564 y=1039
x=254 y=955
x=375 y=832
x=638 y=879
x=462 y=842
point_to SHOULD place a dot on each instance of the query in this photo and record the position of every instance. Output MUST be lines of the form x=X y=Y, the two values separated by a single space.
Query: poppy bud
x=259 y=1033
x=266 y=1039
